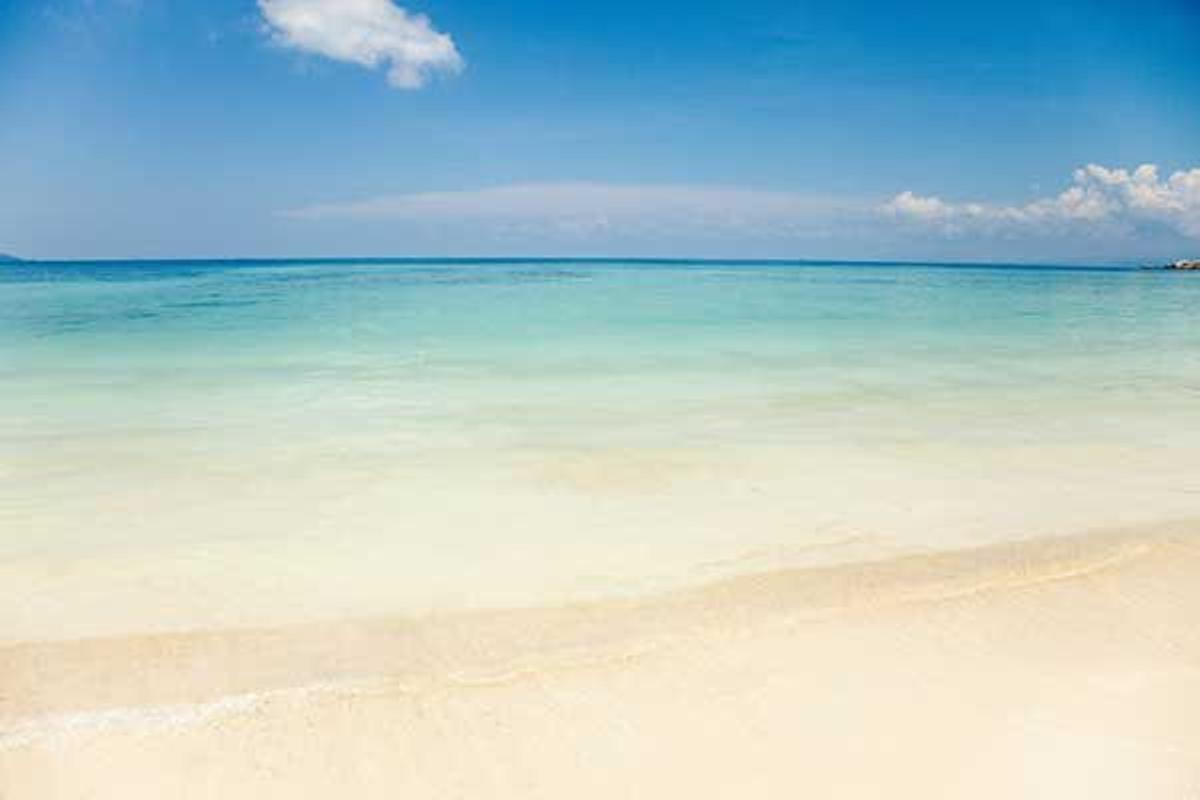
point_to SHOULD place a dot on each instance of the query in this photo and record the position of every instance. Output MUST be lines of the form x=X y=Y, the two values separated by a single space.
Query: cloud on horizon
x=1100 y=200
x=369 y=33
x=1106 y=214
x=586 y=209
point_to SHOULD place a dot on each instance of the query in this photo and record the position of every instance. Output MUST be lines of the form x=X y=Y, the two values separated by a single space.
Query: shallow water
x=235 y=442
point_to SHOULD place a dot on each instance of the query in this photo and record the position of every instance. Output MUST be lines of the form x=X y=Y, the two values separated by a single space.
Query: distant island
x=1184 y=264
x=5 y=257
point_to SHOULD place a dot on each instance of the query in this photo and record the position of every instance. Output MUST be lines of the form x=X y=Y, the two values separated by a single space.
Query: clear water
x=162 y=407
x=536 y=347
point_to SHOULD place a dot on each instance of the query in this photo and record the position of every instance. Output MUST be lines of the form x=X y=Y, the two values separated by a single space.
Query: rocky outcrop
x=1185 y=264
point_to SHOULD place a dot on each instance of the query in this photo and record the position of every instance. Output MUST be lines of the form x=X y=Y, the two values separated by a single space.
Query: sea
x=192 y=444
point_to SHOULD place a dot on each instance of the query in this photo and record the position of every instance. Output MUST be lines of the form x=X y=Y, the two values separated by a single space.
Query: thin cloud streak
x=593 y=208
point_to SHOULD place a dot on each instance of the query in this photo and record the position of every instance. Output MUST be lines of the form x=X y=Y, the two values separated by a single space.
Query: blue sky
x=852 y=129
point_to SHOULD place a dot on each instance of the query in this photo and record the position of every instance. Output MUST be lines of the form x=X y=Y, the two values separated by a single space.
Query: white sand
x=1065 y=668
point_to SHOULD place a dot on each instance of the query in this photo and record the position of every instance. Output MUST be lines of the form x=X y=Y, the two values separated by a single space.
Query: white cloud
x=1098 y=198
x=583 y=209
x=365 y=32
x=1105 y=214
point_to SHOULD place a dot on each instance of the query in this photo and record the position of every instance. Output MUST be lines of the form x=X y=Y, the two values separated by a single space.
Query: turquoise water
x=536 y=347
x=167 y=404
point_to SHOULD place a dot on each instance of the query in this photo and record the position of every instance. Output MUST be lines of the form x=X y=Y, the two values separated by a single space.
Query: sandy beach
x=1055 y=668
x=598 y=530
x=585 y=401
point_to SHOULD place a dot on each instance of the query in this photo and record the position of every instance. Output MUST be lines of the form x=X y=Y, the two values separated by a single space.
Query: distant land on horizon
x=8 y=257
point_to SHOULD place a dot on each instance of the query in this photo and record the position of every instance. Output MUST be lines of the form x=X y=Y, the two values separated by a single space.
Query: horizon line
x=665 y=260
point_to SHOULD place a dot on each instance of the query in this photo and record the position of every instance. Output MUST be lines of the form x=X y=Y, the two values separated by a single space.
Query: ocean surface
x=190 y=444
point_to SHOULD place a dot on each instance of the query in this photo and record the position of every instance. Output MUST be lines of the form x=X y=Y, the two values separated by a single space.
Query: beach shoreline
x=877 y=664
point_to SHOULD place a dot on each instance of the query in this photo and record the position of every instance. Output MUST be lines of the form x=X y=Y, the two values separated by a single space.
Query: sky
x=1064 y=131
